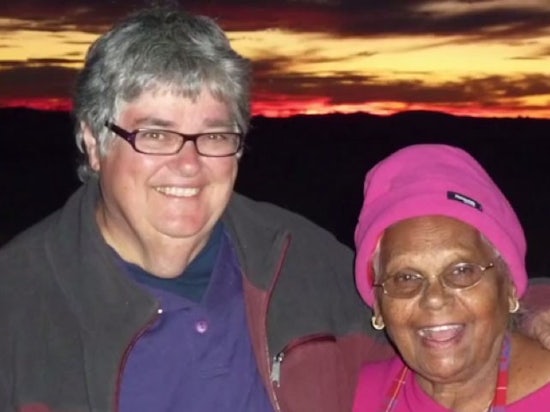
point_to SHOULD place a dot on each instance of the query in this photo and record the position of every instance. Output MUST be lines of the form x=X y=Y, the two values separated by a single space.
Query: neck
x=465 y=399
x=474 y=392
x=161 y=255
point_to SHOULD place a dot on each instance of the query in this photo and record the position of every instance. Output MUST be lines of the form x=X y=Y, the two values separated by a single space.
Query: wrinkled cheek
x=402 y=337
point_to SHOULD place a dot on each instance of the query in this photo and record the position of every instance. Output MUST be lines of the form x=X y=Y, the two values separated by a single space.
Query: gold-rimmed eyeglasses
x=406 y=283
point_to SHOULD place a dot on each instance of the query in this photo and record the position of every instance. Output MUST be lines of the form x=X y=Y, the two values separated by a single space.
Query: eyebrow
x=218 y=122
x=157 y=122
x=152 y=121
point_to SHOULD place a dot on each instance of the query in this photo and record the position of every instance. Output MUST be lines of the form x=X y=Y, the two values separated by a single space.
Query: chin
x=179 y=230
x=442 y=371
x=182 y=233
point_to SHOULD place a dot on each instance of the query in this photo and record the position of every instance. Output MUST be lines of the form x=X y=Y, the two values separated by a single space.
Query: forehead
x=438 y=237
x=172 y=107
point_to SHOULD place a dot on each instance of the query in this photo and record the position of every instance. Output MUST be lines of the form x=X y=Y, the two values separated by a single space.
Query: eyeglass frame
x=441 y=279
x=130 y=137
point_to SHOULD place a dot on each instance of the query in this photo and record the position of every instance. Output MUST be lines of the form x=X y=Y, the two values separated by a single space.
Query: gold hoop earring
x=375 y=324
x=515 y=308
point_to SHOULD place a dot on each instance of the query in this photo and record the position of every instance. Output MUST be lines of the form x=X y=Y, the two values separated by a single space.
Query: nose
x=187 y=160
x=435 y=295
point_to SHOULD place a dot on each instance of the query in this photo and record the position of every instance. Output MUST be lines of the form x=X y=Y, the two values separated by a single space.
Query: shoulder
x=529 y=369
x=374 y=381
x=245 y=215
x=52 y=228
x=255 y=209
x=26 y=263
x=531 y=401
x=23 y=279
x=22 y=248
x=375 y=377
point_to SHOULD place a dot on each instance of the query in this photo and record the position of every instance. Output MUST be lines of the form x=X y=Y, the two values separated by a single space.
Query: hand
x=537 y=325
x=535 y=308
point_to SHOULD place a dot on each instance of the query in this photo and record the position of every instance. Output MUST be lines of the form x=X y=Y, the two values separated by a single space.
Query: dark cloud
x=45 y=78
x=362 y=18
x=23 y=81
x=359 y=89
x=338 y=17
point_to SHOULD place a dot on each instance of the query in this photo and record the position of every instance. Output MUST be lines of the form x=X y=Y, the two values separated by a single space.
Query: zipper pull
x=276 y=368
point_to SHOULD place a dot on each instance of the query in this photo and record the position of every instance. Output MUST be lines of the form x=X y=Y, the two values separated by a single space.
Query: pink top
x=376 y=380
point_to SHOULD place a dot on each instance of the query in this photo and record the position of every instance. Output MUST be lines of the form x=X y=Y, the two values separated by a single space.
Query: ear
x=92 y=147
x=376 y=307
x=513 y=301
x=377 y=321
x=376 y=311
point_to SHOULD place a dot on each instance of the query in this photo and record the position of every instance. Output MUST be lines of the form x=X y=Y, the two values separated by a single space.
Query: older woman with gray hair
x=441 y=259
x=157 y=287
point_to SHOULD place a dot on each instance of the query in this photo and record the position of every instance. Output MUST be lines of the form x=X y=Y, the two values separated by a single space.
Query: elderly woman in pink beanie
x=441 y=259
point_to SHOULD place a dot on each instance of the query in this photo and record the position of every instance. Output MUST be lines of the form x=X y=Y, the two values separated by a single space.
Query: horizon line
x=64 y=108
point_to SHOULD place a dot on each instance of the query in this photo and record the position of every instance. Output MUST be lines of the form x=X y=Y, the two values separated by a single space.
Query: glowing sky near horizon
x=483 y=58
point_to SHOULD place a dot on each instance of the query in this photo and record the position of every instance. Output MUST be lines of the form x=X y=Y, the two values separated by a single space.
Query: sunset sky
x=481 y=58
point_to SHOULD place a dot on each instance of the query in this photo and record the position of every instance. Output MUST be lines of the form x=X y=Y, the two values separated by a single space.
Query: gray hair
x=157 y=49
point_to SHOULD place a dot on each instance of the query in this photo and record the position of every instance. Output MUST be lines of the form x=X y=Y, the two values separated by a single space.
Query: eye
x=462 y=270
x=218 y=137
x=153 y=135
x=406 y=277
x=463 y=274
x=403 y=283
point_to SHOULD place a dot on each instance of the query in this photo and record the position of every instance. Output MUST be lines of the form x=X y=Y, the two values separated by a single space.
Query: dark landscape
x=314 y=165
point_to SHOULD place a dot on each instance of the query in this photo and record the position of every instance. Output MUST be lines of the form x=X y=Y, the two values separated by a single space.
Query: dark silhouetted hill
x=314 y=165
x=37 y=166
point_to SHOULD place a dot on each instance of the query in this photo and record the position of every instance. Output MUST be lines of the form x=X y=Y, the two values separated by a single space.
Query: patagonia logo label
x=464 y=199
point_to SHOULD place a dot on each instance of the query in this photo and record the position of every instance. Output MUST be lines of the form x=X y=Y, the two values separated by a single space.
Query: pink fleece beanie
x=435 y=179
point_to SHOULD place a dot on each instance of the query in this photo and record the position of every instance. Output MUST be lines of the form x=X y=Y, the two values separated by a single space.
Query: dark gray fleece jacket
x=69 y=317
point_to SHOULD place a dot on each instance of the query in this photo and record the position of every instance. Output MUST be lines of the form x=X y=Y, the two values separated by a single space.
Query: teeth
x=442 y=328
x=441 y=332
x=178 y=191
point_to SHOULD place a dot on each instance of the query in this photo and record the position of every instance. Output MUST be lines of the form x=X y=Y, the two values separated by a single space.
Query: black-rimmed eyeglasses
x=167 y=142
x=407 y=284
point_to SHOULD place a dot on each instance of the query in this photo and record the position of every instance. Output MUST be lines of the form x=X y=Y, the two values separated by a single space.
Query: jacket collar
x=258 y=240
x=111 y=310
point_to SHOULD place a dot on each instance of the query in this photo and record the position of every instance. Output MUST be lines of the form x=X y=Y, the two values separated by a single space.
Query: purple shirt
x=197 y=356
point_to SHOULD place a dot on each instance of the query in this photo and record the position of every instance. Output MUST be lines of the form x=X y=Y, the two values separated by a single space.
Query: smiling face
x=445 y=335
x=163 y=200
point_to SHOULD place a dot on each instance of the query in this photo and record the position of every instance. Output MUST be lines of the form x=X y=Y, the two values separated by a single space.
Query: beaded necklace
x=499 y=401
